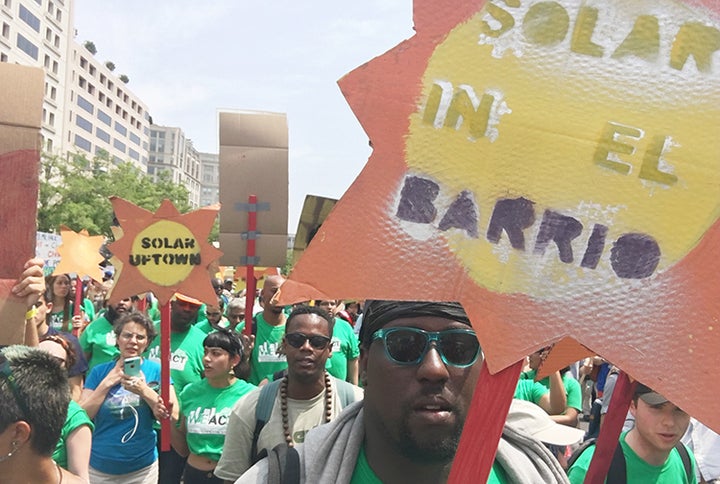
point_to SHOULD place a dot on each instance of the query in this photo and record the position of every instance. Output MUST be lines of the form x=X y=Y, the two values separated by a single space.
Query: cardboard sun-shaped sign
x=164 y=252
x=80 y=253
x=554 y=167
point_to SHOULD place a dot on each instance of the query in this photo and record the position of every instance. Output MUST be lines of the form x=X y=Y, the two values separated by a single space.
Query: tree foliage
x=125 y=79
x=75 y=191
x=110 y=65
x=90 y=46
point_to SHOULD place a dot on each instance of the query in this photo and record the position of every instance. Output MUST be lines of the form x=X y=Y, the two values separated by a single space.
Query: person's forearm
x=31 y=337
x=91 y=400
x=558 y=399
x=569 y=418
x=352 y=371
x=178 y=439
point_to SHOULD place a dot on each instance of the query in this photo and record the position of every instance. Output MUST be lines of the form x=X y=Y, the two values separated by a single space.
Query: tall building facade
x=38 y=33
x=209 y=179
x=86 y=108
x=170 y=151
x=103 y=117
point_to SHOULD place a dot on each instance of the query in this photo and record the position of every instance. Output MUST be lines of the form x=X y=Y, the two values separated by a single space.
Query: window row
x=90 y=88
x=110 y=85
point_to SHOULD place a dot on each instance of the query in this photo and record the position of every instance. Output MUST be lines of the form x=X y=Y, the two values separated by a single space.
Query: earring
x=14 y=446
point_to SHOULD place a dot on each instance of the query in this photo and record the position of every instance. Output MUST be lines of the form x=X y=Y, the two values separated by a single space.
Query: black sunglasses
x=7 y=374
x=297 y=340
x=408 y=346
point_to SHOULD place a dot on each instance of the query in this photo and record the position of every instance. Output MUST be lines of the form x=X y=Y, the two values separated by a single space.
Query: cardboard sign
x=314 y=212
x=80 y=253
x=253 y=161
x=21 y=97
x=164 y=252
x=555 y=164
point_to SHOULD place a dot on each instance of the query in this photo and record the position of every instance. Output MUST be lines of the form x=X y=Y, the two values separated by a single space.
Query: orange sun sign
x=165 y=252
x=80 y=253
x=553 y=166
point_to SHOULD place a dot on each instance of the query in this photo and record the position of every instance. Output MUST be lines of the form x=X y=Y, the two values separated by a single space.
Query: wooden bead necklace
x=284 y=406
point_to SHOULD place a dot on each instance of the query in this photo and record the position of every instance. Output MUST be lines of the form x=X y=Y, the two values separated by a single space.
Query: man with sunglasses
x=419 y=364
x=283 y=411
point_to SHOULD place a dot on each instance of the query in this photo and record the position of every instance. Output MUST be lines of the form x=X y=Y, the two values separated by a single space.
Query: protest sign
x=253 y=161
x=555 y=164
x=80 y=253
x=21 y=97
x=314 y=212
x=164 y=252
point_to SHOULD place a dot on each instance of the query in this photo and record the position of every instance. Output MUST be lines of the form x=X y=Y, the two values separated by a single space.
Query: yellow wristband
x=30 y=313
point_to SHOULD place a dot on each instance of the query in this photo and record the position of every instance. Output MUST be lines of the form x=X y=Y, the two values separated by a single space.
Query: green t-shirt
x=98 y=341
x=363 y=473
x=206 y=410
x=671 y=472
x=345 y=347
x=264 y=360
x=76 y=417
x=186 y=365
x=530 y=391
x=573 y=392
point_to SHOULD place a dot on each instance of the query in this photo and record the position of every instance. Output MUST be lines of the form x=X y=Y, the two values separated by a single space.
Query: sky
x=187 y=59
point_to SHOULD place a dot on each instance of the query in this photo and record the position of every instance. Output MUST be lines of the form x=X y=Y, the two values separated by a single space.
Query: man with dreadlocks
x=419 y=364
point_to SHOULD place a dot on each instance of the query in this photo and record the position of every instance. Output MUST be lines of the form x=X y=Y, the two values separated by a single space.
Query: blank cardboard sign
x=253 y=161
x=554 y=167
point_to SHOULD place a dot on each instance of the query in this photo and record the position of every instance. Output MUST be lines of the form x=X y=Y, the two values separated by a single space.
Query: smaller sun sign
x=80 y=253
x=165 y=252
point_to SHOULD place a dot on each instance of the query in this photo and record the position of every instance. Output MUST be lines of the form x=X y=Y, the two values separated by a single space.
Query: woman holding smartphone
x=124 y=407
x=206 y=406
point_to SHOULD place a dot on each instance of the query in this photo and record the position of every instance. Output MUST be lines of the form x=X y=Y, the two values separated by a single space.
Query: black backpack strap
x=263 y=410
x=578 y=452
x=283 y=465
x=617 y=474
x=685 y=457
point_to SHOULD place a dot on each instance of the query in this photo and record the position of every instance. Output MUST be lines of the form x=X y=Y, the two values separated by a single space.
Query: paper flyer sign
x=557 y=166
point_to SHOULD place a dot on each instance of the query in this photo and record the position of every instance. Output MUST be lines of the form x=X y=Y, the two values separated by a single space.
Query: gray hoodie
x=329 y=454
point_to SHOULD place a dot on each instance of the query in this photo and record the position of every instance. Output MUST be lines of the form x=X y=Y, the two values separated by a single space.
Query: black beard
x=440 y=450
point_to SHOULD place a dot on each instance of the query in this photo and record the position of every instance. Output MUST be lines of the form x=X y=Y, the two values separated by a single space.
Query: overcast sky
x=187 y=59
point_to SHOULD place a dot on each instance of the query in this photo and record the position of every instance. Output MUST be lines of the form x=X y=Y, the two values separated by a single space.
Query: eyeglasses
x=297 y=340
x=128 y=336
x=408 y=346
x=7 y=374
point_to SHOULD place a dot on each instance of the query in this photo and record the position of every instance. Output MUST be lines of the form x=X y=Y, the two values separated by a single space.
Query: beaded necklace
x=284 y=406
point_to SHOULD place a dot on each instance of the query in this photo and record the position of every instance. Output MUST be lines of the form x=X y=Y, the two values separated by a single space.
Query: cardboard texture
x=253 y=161
x=314 y=212
x=554 y=167
x=80 y=253
x=164 y=252
x=21 y=96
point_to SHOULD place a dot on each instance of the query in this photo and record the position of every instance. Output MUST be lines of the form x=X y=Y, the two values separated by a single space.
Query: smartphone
x=131 y=366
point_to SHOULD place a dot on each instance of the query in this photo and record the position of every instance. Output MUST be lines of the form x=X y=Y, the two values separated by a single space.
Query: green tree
x=90 y=46
x=75 y=191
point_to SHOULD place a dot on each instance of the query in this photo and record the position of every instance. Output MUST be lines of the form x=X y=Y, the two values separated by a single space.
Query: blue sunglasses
x=408 y=346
